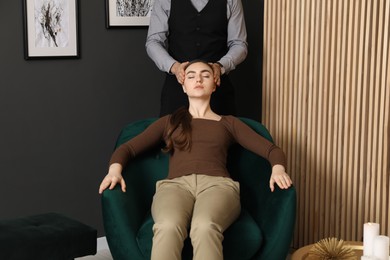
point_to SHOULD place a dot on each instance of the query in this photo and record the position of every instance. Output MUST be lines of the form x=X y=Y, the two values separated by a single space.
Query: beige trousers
x=207 y=204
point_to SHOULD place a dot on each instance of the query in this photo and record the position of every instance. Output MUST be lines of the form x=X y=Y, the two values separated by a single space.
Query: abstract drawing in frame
x=128 y=12
x=51 y=29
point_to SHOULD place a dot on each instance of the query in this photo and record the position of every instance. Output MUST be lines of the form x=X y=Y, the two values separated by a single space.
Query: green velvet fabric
x=46 y=237
x=267 y=217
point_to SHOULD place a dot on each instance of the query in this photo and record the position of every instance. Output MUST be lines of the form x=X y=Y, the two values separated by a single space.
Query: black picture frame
x=51 y=29
x=119 y=13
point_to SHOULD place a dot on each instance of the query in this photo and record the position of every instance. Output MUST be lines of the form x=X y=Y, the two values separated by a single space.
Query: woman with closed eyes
x=198 y=198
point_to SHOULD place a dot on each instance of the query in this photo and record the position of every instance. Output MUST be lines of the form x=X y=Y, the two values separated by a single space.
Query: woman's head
x=199 y=79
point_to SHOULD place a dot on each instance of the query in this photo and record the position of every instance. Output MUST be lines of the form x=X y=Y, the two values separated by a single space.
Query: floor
x=103 y=252
x=105 y=255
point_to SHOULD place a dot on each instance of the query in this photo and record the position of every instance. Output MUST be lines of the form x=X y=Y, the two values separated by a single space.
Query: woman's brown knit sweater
x=210 y=142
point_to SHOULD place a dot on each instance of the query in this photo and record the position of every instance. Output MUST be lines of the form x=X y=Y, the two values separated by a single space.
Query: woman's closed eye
x=190 y=75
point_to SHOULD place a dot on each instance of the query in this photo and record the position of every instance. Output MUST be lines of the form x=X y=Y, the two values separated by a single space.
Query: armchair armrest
x=122 y=218
x=276 y=218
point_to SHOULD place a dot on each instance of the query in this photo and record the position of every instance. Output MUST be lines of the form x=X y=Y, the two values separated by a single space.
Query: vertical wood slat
x=326 y=101
x=386 y=113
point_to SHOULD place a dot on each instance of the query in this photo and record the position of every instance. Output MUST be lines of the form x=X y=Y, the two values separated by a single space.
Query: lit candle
x=381 y=247
x=370 y=231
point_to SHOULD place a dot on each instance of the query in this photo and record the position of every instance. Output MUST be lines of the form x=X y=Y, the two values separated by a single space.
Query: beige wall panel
x=326 y=101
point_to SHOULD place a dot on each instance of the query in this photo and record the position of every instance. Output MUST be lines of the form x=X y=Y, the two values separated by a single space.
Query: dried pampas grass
x=331 y=249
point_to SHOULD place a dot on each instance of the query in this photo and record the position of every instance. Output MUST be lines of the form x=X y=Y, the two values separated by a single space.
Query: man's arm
x=236 y=42
x=156 y=42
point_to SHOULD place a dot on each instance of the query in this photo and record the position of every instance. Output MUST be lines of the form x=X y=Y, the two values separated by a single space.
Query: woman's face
x=199 y=80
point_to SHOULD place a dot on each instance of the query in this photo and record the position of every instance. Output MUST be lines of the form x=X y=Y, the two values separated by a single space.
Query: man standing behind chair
x=184 y=30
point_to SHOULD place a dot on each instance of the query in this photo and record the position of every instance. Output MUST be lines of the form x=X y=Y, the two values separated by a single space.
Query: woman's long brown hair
x=180 y=118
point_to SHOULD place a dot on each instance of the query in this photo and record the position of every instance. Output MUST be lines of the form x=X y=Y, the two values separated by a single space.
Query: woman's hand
x=280 y=177
x=113 y=177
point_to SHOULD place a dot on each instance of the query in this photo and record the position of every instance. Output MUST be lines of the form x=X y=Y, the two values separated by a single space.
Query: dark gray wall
x=60 y=118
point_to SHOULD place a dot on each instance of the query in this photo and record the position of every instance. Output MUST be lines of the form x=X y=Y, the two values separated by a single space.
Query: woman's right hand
x=113 y=177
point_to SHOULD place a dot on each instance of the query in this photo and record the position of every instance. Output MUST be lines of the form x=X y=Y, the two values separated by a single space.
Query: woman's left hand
x=280 y=177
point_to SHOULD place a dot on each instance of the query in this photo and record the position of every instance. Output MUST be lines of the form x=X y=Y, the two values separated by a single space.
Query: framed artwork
x=128 y=12
x=51 y=29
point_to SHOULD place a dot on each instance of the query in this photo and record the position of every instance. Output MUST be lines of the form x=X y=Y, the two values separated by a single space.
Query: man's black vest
x=197 y=35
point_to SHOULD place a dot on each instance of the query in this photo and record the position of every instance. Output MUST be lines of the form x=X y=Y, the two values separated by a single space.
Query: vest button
x=198 y=28
x=197 y=44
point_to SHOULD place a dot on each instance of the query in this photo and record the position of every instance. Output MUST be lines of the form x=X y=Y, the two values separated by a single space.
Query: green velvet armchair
x=263 y=230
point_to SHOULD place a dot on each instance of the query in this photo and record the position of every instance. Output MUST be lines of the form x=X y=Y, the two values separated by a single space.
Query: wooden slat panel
x=326 y=101
x=385 y=115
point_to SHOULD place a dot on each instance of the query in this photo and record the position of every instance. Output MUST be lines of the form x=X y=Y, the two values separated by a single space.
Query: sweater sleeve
x=252 y=141
x=150 y=137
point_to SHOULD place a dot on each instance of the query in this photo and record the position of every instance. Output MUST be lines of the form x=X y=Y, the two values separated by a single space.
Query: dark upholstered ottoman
x=49 y=236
